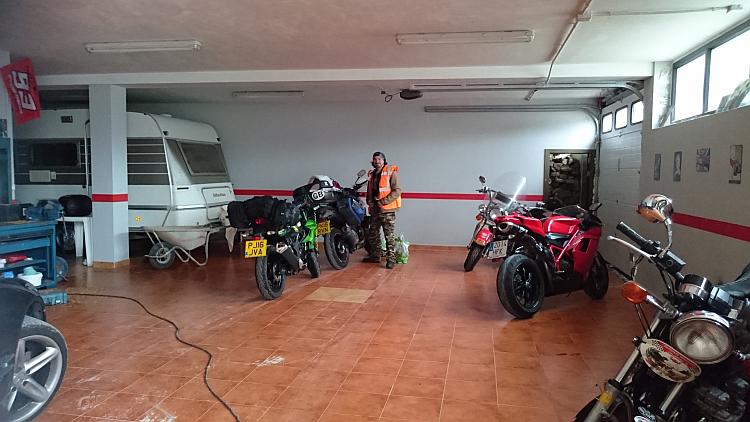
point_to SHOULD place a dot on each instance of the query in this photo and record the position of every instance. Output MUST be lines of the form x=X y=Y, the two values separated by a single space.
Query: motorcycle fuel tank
x=561 y=225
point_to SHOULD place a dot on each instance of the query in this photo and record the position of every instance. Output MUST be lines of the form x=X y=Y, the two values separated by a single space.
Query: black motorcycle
x=281 y=237
x=691 y=364
x=341 y=216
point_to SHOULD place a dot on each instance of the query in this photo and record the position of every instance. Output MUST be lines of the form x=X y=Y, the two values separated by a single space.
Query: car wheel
x=40 y=361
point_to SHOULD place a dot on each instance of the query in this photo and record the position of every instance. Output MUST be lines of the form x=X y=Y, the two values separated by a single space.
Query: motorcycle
x=282 y=245
x=549 y=256
x=692 y=362
x=486 y=240
x=341 y=216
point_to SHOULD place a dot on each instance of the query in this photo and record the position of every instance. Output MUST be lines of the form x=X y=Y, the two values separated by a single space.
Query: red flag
x=21 y=86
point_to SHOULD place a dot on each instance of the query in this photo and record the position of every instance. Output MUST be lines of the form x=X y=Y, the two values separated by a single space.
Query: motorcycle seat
x=739 y=288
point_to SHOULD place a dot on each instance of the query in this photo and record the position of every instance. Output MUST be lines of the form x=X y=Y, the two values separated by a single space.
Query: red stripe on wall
x=736 y=231
x=405 y=195
x=109 y=197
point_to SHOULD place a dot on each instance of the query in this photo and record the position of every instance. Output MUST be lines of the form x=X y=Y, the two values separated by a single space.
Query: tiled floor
x=430 y=343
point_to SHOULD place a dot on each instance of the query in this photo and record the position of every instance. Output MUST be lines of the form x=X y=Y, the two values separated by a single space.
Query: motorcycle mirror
x=657 y=208
x=361 y=173
x=482 y=179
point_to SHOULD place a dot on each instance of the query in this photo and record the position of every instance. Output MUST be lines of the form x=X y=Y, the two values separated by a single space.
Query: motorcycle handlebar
x=639 y=240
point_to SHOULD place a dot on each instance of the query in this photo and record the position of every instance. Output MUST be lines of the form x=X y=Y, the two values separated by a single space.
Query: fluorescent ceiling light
x=142 y=46
x=478 y=37
x=267 y=94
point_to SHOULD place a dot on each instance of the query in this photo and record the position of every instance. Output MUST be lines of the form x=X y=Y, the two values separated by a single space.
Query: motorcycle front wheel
x=313 y=265
x=475 y=252
x=520 y=286
x=270 y=276
x=598 y=281
x=337 y=252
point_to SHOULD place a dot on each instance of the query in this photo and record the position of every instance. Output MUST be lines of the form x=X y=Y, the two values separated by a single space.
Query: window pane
x=636 y=112
x=689 y=89
x=621 y=118
x=203 y=158
x=730 y=65
x=607 y=123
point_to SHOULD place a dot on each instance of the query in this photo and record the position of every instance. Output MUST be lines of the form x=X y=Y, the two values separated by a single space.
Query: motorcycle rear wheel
x=597 y=284
x=520 y=286
x=337 y=252
x=270 y=276
x=475 y=252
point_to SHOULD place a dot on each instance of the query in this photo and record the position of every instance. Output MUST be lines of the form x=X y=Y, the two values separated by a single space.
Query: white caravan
x=177 y=176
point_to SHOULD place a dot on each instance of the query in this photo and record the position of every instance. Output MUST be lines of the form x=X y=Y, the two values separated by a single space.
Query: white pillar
x=6 y=113
x=109 y=174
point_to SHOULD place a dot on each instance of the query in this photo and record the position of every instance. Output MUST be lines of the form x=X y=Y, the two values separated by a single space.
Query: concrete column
x=6 y=114
x=109 y=174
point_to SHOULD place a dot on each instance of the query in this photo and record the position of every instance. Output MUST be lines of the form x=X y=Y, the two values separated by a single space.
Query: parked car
x=33 y=353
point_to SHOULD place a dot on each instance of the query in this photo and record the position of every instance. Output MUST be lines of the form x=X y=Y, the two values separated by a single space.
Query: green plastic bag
x=402 y=250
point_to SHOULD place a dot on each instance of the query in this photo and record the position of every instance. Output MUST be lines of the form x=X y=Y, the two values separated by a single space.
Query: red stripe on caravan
x=109 y=197
x=736 y=231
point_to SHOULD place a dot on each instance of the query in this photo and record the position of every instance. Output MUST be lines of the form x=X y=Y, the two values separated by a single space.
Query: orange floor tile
x=430 y=343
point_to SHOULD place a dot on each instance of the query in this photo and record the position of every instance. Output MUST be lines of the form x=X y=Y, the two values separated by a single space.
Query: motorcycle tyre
x=597 y=289
x=505 y=285
x=475 y=252
x=263 y=281
x=313 y=265
x=330 y=247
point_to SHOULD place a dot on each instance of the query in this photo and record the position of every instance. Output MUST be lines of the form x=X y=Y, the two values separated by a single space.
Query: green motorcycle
x=283 y=245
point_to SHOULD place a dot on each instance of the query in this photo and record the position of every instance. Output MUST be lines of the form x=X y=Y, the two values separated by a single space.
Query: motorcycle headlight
x=494 y=214
x=704 y=337
x=482 y=208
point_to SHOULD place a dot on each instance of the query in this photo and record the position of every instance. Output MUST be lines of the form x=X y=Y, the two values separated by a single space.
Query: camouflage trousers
x=387 y=220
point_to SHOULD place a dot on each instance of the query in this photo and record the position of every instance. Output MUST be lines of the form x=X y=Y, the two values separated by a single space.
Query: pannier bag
x=352 y=210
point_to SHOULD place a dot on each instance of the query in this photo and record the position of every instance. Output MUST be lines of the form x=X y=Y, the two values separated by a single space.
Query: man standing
x=384 y=199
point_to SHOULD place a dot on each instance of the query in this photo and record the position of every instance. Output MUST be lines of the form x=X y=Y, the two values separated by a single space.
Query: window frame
x=631 y=113
x=627 y=118
x=190 y=169
x=612 y=127
x=706 y=49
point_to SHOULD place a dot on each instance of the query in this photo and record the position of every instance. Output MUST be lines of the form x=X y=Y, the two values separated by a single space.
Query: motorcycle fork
x=613 y=389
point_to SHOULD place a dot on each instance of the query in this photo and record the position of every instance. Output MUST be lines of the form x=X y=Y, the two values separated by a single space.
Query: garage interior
x=629 y=91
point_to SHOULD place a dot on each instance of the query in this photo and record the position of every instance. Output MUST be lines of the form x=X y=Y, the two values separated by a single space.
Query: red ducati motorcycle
x=550 y=256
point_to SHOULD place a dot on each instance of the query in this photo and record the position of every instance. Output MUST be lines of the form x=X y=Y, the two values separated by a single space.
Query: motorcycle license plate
x=324 y=227
x=255 y=248
x=497 y=249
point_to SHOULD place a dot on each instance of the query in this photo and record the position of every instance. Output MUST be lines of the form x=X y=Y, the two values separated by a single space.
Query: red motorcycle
x=487 y=241
x=550 y=256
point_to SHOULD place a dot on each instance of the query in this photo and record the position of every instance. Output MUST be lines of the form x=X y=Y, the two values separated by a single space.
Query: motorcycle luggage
x=284 y=214
x=237 y=217
x=352 y=211
x=259 y=206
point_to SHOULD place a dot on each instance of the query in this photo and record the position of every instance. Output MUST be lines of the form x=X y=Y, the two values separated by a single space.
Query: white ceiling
x=277 y=43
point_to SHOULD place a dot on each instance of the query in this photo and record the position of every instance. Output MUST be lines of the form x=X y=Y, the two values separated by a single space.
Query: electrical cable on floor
x=176 y=336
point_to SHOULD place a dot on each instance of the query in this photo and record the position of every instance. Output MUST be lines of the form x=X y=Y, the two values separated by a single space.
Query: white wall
x=707 y=195
x=279 y=146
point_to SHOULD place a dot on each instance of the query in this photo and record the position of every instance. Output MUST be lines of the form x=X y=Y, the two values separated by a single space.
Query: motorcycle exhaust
x=288 y=254
x=510 y=228
x=351 y=238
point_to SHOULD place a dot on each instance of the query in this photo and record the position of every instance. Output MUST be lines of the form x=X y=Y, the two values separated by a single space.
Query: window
x=607 y=123
x=688 y=98
x=636 y=112
x=703 y=78
x=51 y=155
x=203 y=159
x=730 y=65
x=621 y=117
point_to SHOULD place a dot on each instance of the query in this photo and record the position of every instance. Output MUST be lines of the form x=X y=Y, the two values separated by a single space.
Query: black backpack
x=284 y=214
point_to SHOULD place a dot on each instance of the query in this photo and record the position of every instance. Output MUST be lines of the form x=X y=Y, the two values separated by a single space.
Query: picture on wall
x=677 y=167
x=703 y=160
x=735 y=164
x=657 y=167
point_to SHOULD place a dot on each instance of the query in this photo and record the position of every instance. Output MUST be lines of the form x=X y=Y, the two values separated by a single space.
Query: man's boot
x=390 y=264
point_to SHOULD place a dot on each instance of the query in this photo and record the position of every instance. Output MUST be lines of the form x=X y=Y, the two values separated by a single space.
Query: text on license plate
x=497 y=249
x=324 y=227
x=255 y=248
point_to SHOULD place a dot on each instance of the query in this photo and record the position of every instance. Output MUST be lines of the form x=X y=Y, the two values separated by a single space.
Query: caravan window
x=203 y=159
x=58 y=154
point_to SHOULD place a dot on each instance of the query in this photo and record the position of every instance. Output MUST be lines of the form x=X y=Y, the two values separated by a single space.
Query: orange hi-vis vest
x=385 y=187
